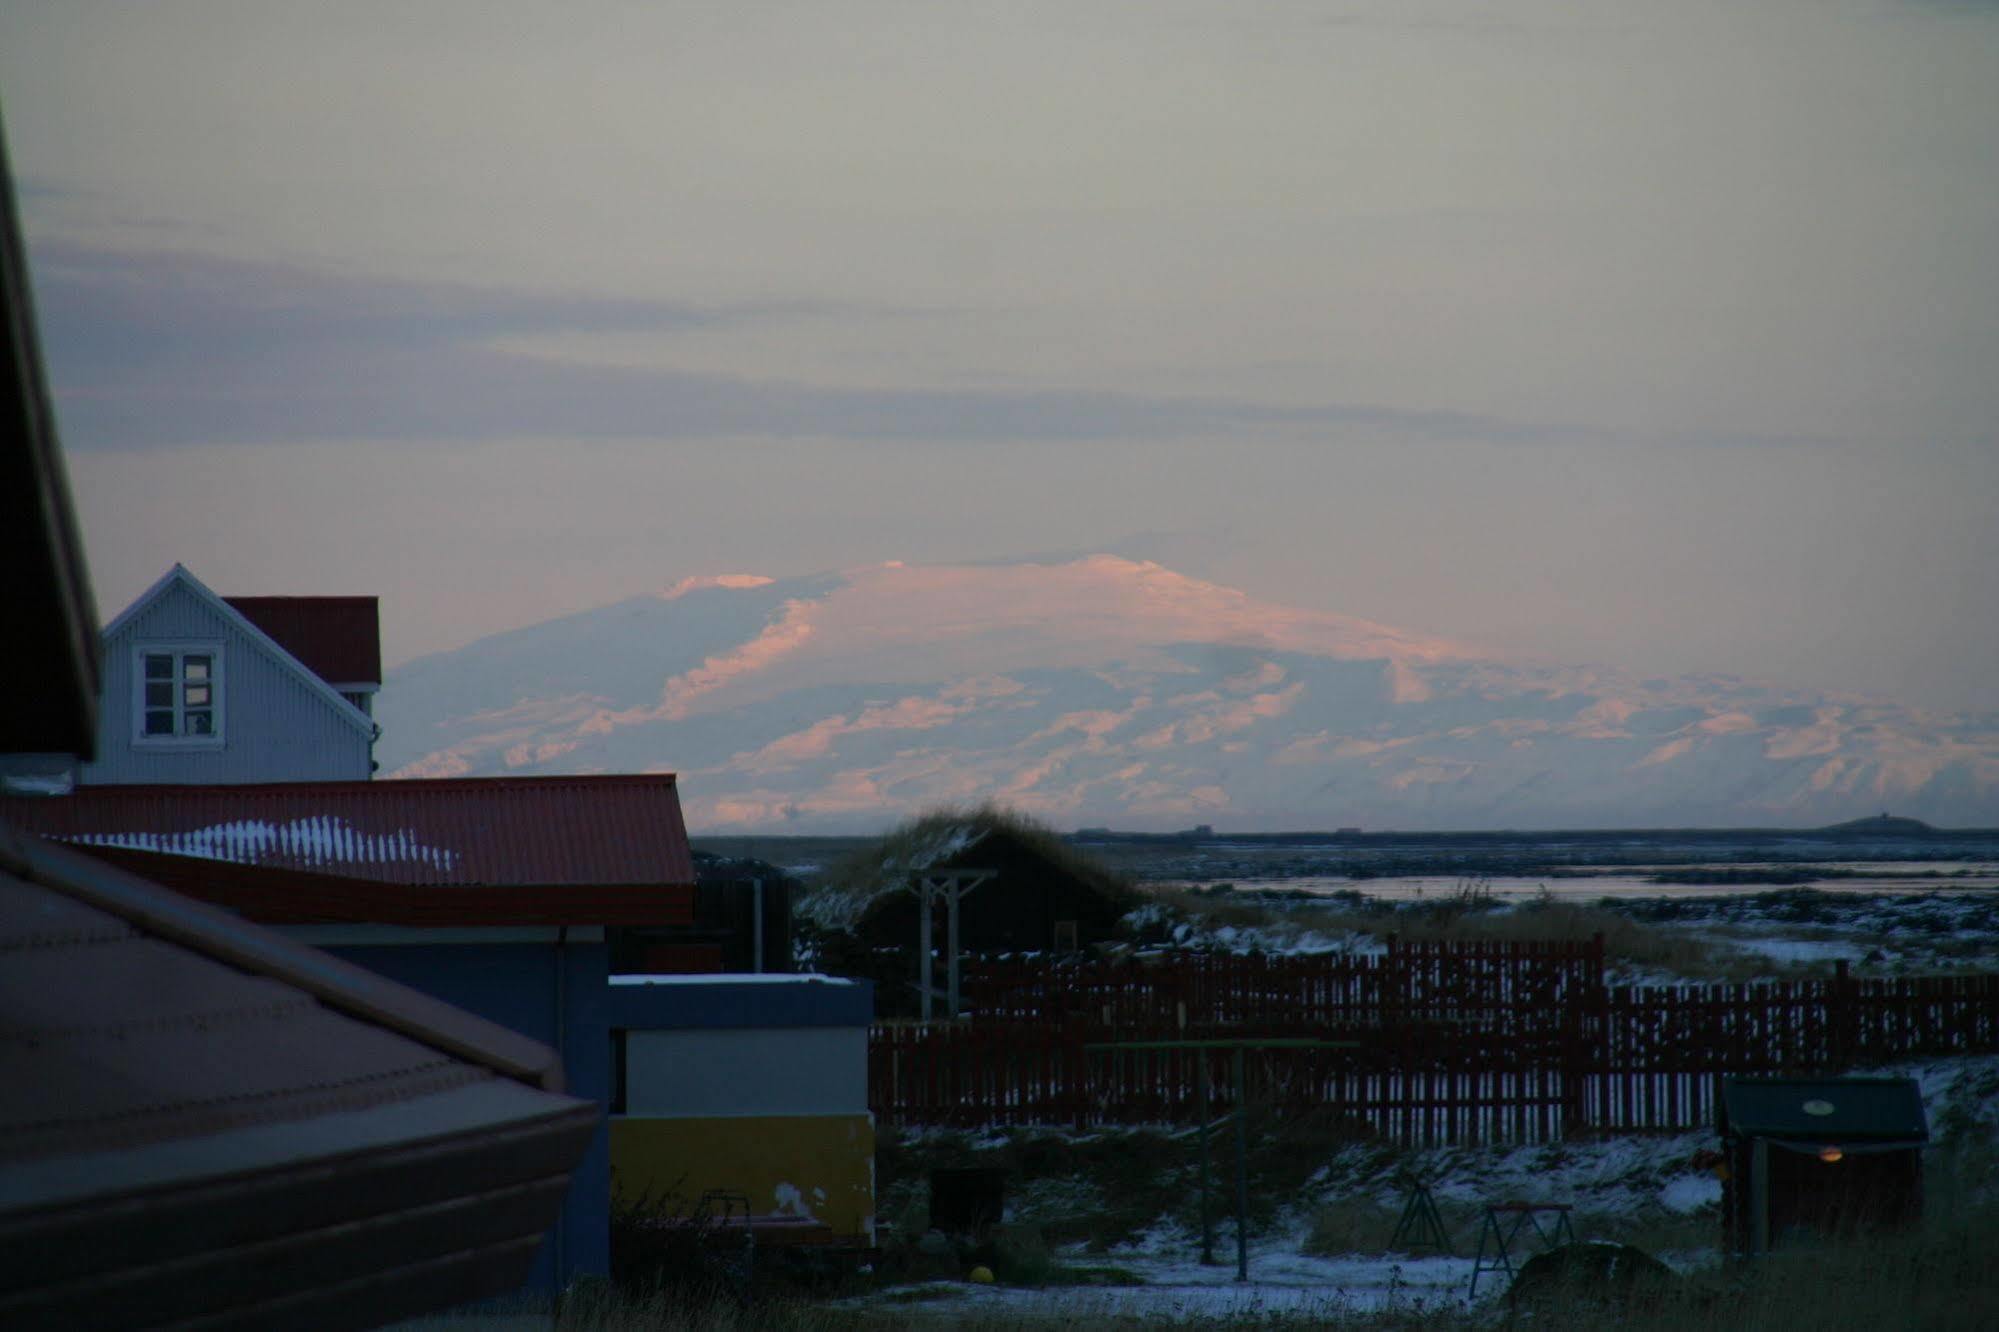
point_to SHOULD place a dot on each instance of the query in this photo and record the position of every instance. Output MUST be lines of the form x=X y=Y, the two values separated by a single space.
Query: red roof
x=576 y=850
x=297 y=897
x=339 y=639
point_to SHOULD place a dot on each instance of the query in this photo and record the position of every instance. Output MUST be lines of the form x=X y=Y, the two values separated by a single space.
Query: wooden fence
x=1454 y=1043
x=1482 y=982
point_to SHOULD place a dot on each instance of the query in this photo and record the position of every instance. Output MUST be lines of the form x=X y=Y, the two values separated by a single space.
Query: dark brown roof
x=339 y=639
x=201 y=1120
x=48 y=606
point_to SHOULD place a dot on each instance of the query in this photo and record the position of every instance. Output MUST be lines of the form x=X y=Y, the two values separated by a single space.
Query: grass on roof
x=938 y=834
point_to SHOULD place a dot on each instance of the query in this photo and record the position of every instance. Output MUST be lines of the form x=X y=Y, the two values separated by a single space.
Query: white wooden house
x=195 y=691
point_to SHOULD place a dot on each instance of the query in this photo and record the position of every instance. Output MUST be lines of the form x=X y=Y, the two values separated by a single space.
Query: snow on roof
x=307 y=843
x=923 y=846
x=594 y=831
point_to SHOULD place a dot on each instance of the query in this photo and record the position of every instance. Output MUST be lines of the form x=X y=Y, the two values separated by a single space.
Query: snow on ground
x=1648 y=1190
x=1607 y=1181
x=1627 y=1186
x=1279 y=934
x=1879 y=933
x=1281 y=1283
x=1803 y=952
x=1883 y=933
x=1690 y=1193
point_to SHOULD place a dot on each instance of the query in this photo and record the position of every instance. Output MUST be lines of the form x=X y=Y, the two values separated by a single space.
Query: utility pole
x=948 y=887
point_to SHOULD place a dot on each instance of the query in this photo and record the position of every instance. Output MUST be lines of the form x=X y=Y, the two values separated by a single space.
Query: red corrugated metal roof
x=531 y=831
x=339 y=639
x=299 y=897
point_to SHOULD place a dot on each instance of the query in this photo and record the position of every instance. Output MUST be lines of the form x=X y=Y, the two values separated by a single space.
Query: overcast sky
x=1659 y=336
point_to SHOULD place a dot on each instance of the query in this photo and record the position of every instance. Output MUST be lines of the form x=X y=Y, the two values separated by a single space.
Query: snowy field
x=1910 y=930
x=1639 y=882
x=1626 y=1188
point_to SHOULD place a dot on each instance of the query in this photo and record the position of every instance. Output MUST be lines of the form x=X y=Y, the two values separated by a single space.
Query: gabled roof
x=178 y=576
x=547 y=831
x=339 y=639
x=202 y=1123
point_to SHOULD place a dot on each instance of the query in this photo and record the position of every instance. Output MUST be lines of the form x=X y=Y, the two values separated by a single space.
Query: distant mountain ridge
x=1119 y=693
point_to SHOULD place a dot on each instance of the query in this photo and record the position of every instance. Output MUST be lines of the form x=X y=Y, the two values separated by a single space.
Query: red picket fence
x=1434 y=1091
x=1453 y=1043
x=1658 y=1053
x=1431 y=979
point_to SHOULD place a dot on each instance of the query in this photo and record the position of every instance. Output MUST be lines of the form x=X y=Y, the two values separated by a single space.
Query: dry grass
x=1471 y=915
x=883 y=866
x=1940 y=1278
x=1943 y=1275
x=1352 y=1225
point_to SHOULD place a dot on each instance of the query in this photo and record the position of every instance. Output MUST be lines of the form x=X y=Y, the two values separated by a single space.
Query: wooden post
x=1759 y=1197
x=925 y=972
x=1241 y=1172
x=1844 y=1016
x=1207 y=1211
x=951 y=945
x=1077 y=1061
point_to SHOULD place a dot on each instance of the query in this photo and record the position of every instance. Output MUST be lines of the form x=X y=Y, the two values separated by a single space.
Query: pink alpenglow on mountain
x=1108 y=691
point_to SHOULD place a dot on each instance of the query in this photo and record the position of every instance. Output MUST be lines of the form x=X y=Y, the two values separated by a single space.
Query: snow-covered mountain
x=1104 y=691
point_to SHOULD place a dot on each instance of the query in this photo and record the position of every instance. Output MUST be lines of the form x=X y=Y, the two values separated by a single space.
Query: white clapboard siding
x=278 y=722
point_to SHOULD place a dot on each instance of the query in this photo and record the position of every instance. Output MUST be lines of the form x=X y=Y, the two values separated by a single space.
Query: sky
x=1660 y=337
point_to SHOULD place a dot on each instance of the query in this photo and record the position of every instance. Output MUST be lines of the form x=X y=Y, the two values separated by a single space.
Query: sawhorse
x=1499 y=1237
x=1420 y=1226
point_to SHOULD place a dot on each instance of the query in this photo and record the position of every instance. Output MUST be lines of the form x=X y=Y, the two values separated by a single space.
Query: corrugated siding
x=276 y=727
x=543 y=830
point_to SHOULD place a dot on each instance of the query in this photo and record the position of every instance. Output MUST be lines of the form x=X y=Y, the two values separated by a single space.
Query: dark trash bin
x=967 y=1201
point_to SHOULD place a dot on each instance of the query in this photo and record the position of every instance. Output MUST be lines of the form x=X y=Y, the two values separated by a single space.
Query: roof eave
x=228 y=938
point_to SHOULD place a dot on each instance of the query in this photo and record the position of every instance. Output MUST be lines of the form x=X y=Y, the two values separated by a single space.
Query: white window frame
x=217 y=685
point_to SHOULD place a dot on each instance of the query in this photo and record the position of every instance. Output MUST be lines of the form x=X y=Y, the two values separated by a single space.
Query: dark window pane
x=200 y=723
x=196 y=695
x=159 y=723
x=159 y=666
x=194 y=668
x=159 y=693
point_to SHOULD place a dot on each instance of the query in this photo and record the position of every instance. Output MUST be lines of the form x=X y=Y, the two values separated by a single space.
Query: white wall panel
x=732 y=1071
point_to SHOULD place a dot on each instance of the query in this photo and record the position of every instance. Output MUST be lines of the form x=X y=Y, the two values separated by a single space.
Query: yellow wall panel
x=810 y=1165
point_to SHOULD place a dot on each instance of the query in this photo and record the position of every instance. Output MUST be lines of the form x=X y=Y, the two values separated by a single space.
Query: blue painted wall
x=515 y=985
